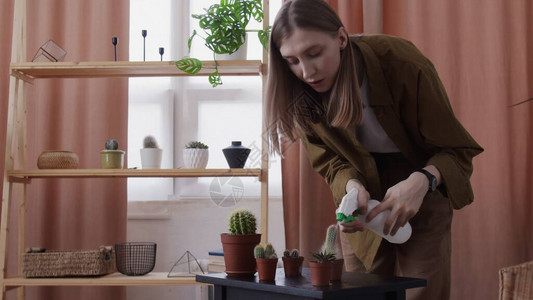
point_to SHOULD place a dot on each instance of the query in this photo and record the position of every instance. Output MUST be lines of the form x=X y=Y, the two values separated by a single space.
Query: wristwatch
x=432 y=179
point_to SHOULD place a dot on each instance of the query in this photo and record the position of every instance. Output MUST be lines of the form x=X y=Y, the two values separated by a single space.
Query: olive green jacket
x=411 y=105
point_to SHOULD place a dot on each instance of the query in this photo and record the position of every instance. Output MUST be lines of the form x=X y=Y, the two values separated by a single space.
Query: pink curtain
x=480 y=49
x=77 y=115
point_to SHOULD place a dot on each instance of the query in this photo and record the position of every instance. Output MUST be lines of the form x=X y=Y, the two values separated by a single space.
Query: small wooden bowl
x=58 y=160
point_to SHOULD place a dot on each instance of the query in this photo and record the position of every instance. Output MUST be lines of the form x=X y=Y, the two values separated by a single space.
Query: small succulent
x=150 y=142
x=323 y=257
x=294 y=253
x=111 y=144
x=196 y=145
x=242 y=222
x=265 y=252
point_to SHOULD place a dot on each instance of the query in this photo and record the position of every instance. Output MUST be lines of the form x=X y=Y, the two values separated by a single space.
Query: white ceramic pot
x=240 y=54
x=195 y=158
x=151 y=158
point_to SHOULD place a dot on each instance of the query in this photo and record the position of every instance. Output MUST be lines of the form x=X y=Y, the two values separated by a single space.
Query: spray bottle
x=349 y=205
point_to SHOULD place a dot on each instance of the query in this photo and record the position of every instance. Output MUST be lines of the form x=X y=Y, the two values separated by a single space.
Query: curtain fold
x=77 y=115
x=481 y=51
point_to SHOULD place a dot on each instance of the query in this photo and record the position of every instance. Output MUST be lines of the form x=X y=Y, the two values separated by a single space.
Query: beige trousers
x=425 y=255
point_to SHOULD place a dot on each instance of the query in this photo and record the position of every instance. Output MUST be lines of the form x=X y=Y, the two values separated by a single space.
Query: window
x=179 y=110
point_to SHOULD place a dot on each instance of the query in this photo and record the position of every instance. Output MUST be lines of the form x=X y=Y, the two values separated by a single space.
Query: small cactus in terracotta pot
x=267 y=261
x=238 y=245
x=321 y=267
x=330 y=246
x=151 y=155
x=292 y=263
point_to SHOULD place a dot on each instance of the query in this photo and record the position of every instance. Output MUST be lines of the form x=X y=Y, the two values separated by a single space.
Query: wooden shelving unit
x=27 y=72
x=30 y=71
x=17 y=175
x=114 y=279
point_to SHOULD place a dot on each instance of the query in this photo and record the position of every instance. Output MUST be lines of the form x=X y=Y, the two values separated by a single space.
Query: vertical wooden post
x=15 y=120
x=265 y=143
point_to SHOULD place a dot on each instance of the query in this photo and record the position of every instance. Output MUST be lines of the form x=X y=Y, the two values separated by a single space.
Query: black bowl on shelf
x=135 y=258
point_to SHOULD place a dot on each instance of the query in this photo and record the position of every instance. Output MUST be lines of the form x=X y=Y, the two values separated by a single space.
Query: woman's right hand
x=351 y=227
x=362 y=203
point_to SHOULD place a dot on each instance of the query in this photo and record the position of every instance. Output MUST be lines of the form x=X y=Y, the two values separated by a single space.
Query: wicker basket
x=516 y=282
x=68 y=263
x=58 y=160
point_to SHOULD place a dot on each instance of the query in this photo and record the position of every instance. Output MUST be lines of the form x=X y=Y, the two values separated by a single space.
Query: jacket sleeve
x=451 y=147
x=333 y=167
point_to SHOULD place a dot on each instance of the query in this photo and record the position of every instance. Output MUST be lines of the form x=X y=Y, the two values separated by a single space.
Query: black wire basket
x=137 y=258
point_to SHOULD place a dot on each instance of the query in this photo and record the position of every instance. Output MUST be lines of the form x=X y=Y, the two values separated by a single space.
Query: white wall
x=194 y=225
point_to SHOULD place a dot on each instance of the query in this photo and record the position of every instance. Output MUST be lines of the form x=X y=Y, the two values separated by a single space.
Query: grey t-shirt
x=370 y=134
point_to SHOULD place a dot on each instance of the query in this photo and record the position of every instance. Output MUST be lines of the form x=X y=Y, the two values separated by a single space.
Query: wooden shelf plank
x=16 y=175
x=114 y=279
x=30 y=70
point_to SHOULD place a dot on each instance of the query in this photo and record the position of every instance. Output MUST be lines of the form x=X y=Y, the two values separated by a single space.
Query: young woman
x=373 y=116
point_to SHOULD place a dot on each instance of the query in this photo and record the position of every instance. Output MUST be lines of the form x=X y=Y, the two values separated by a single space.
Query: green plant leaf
x=214 y=79
x=264 y=36
x=189 y=65
x=189 y=42
x=243 y=12
x=225 y=43
x=256 y=9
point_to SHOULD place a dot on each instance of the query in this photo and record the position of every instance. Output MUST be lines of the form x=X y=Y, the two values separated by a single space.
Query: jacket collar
x=378 y=87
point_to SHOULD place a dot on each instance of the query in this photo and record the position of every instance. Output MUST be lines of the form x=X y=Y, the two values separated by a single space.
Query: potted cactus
x=330 y=246
x=111 y=157
x=292 y=263
x=195 y=155
x=267 y=261
x=322 y=266
x=151 y=155
x=238 y=245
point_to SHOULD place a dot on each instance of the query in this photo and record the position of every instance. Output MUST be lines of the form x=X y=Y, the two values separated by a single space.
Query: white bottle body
x=378 y=222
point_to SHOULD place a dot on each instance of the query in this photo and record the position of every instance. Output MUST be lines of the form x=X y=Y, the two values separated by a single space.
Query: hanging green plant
x=225 y=31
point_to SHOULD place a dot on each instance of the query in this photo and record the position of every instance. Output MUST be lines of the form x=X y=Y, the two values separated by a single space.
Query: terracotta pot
x=320 y=273
x=336 y=269
x=266 y=268
x=292 y=266
x=239 y=254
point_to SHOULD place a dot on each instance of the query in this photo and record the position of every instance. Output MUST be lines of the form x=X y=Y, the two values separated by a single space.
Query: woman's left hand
x=403 y=200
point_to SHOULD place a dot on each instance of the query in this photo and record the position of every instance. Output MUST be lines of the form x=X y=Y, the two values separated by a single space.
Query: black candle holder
x=161 y=52
x=144 y=33
x=114 y=40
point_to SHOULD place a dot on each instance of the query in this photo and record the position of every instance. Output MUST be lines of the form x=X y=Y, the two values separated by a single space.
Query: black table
x=353 y=286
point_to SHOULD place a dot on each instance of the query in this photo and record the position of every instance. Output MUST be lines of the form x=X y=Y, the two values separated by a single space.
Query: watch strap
x=431 y=178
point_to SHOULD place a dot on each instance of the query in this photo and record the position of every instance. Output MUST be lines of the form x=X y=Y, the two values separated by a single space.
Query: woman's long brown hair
x=291 y=103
